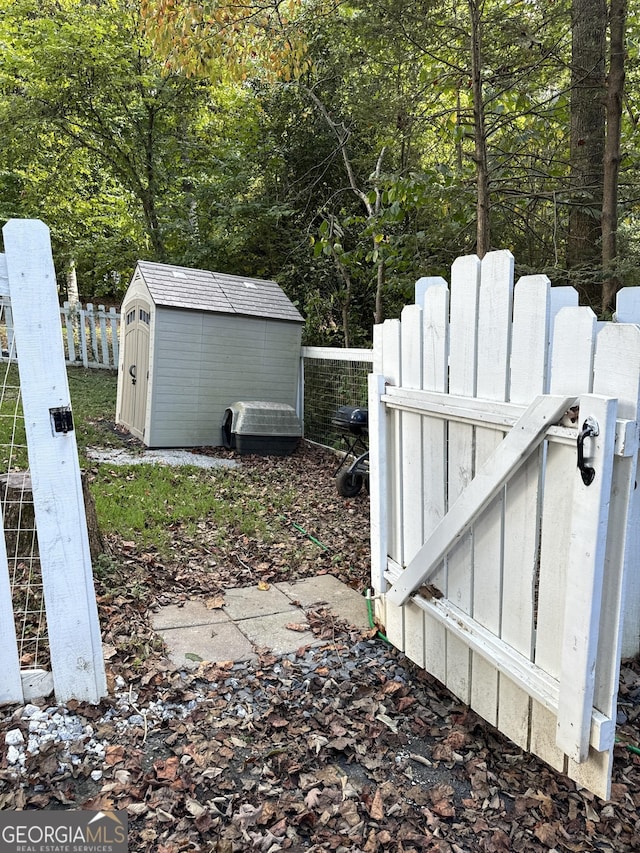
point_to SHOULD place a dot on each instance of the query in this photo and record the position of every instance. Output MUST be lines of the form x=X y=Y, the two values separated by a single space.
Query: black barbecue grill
x=352 y=422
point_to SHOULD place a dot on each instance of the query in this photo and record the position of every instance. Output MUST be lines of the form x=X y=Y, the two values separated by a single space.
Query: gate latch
x=62 y=419
x=589 y=429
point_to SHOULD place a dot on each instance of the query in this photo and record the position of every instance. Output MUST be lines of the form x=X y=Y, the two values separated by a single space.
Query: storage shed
x=192 y=343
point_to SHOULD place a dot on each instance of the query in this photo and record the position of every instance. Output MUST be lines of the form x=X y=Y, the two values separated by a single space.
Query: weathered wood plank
x=463 y=337
x=377 y=482
x=435 y=371
x=571 y=372
x=495 y=311
x=72 y=618
x=585 y=572
x=411 y=461
x=392 y=366
x=529 y=372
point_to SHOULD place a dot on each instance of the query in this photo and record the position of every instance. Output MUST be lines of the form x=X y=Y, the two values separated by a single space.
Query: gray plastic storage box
x=266 y=429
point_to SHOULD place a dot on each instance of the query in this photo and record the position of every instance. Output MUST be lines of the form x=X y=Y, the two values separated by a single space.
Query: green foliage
x=181 y=132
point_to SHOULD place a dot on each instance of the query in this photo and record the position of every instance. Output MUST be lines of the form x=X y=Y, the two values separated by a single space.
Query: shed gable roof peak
x=203 y=290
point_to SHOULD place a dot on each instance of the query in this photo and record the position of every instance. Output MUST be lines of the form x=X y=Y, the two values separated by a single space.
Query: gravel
x=160 y=457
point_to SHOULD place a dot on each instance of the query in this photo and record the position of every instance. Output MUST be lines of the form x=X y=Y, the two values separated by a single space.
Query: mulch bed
x=344 y=746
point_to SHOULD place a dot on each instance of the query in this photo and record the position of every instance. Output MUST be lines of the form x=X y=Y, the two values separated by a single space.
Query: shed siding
x=203 y=362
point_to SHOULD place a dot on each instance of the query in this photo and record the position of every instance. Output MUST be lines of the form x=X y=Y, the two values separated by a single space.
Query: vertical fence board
x=411 y=461
x=377 y=483
x=435 y=351
x=628 y=305
x=113 y=324
x=69 y=316
x=84 y=353
x=104 y=345
x=522 y=504
x=583 y=592
x=571 y=373
x=463 y=330
x=391 y=357
x=494 y=347
x=92 y=337
x=74 y=634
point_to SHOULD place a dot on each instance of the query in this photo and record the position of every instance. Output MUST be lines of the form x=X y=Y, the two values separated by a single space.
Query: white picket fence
x=35 y=409
x=89 y=335
x=499 y=566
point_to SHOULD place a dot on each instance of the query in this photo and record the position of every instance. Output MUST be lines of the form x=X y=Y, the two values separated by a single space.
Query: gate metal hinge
x=61 y=419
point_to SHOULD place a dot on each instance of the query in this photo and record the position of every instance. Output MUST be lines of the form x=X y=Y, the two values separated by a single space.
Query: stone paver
x=271 y=632
x=325 y=590
x=185 y=615
x=221 y=641
x=254 y=618
x=251 y=601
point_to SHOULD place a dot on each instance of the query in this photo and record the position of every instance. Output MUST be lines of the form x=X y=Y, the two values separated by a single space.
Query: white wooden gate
x=499 y=563
x=28 y=287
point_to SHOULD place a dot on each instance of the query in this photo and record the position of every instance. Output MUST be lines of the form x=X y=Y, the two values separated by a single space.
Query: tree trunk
x=589 y=26
x=380 y=280
x=72 y=284
x=483 y=209
x=615 y=91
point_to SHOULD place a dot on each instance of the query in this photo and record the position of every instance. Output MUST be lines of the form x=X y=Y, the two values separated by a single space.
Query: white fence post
x=72 y=617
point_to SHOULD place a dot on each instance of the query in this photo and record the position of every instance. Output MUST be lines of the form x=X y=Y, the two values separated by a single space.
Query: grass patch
x=147 y=503
x=93 y=400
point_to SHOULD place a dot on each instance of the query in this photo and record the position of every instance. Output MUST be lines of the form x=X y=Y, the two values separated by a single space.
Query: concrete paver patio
x=253 y=618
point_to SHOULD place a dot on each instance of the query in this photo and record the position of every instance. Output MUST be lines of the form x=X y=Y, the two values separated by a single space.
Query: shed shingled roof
x=203 y=290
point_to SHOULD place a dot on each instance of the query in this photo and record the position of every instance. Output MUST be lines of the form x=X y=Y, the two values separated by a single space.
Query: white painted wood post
x=585 y=572
x=72 y=617
x=616 y=370
x=571 y=373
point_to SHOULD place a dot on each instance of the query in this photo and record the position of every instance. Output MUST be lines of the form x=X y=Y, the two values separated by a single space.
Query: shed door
x=136 y=367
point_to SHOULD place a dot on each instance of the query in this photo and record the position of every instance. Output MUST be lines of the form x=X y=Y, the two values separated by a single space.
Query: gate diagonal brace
x=526 y=434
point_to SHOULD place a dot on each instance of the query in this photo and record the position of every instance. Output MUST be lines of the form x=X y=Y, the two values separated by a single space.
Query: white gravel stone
x=13 y=755
x=14 y=737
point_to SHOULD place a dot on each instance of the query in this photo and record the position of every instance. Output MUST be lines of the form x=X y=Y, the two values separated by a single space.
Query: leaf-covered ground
x=345 y=746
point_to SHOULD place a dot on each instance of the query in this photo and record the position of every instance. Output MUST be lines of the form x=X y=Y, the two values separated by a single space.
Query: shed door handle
x=132 y=374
